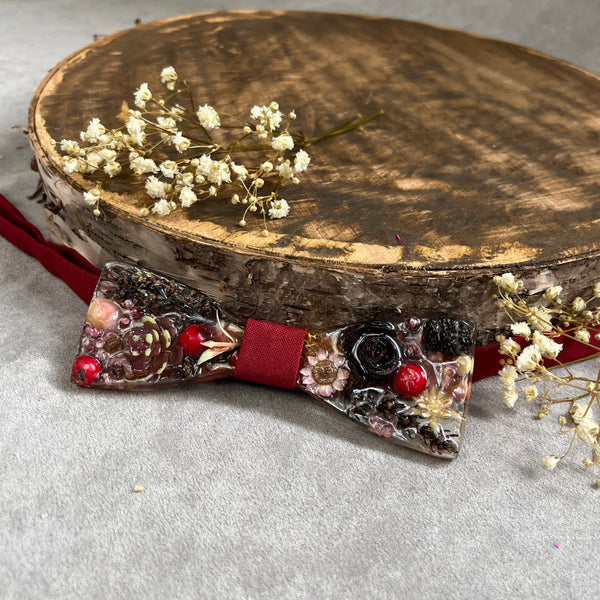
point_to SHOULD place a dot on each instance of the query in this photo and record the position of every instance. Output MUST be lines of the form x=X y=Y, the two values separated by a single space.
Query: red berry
x=410 y=380
x=86 y=369
x=193 y=338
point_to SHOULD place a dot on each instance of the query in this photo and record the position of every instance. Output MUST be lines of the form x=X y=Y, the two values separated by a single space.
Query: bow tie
x=406 y=379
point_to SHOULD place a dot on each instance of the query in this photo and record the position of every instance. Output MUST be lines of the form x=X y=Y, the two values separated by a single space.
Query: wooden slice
x=487 y=160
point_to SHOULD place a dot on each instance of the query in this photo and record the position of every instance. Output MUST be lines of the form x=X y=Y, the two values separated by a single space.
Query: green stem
x=349 y=125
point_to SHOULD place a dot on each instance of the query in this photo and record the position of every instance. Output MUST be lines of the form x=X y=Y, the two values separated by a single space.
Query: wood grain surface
x=487 y=159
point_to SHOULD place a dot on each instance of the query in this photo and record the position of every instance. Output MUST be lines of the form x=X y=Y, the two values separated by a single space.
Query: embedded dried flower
x=434 y=404
x=325 y=372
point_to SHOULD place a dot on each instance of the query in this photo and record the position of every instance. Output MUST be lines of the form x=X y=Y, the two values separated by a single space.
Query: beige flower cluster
x=186 y=155
x=538 y=327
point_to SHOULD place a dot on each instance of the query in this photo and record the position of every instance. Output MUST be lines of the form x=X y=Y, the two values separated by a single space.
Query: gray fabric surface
x=253 y=492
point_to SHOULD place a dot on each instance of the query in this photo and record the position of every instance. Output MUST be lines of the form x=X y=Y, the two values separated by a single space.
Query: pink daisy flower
x=324 y=373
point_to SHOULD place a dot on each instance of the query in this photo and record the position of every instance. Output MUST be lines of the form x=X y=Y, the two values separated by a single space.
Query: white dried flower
x=212 y=190
x=156 y=189
x=167 y=123
x=578 y=304
x=301 y=161
x=107 y=155
x=111 y=140
x=216 y=171
x=550 y=462
x=282 y=142
x=92 y=196
x=169 y=168
x=208 y=117
x=588 y=430
x=579 y=412
x=267 y=166
x=508 y=283
x=279 y=209
x=596 y=289
x=135 y=128
x=93 y=132
x=187 y=197
x=285 y=170
x=141 y=165
x=162 y=208
x=180 y=142
x=71 y=165
x=582 y=335
x=186 y=179
x=268 y=116
x=292 y=115
x=529 y=359
x=220 y=173
x=84 y=167
x=531 y=392
x=177 y=113
x=69 y=146
x=510 y=397
x=112 y=168
x=142 y=95
x=509 y=347
x=508 y=376
x=552 y=293
x=547 y=346
x=94 y=160
x=520 y=329
x=247 y=130
x=239 y=170
x=540 y=318
x=169 y=77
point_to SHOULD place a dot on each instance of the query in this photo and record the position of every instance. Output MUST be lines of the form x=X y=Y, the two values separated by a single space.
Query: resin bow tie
x=408 y=380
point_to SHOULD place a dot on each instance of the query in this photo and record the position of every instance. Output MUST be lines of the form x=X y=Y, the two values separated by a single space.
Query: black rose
x=373 y=351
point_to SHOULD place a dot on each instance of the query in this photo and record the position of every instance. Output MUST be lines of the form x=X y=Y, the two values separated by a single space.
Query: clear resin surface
x=407 y=380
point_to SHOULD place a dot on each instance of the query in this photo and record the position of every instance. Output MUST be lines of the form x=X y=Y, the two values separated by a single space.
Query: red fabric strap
x=270 y=353
x=79 y=274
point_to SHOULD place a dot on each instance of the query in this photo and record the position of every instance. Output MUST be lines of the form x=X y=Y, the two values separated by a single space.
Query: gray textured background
x=252 y=492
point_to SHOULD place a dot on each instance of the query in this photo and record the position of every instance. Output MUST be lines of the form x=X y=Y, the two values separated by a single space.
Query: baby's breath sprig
x=186 y=154
x=543 y=326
